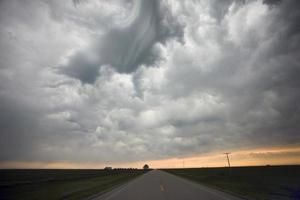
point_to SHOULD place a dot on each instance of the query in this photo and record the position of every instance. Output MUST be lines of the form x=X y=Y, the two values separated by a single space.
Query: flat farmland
x=60 y=184
x=265 y=182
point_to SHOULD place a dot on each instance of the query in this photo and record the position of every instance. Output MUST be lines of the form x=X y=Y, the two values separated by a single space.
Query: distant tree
x=107 y=168
x=146 y=166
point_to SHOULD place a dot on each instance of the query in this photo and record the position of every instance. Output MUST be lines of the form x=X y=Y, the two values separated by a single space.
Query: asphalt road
x=160 y=185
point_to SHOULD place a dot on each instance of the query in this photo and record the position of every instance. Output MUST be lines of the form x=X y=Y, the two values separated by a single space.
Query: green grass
x=266 y=182
x=60 y=184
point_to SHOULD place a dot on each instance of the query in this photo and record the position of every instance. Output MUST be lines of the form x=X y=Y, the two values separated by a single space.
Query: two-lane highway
x=160 y=185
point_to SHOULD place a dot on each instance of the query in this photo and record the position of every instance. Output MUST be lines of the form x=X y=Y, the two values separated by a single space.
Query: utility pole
x=228 y=158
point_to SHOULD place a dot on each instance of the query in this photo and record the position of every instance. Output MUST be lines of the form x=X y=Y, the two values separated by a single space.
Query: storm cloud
x=128 y=45
x=121 y=81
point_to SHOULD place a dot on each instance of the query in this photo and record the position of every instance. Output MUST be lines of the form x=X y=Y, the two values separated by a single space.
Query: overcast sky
x=127 y=80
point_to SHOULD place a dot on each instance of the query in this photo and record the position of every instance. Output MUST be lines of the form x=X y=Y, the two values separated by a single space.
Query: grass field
x=60 y=184
x=266 y=182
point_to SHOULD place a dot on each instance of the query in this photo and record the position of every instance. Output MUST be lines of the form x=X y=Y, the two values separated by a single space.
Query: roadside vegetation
x=61 y=184
x=265 y=182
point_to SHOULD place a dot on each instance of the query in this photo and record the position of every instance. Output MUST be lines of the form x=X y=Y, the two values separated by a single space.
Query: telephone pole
x=228 y=158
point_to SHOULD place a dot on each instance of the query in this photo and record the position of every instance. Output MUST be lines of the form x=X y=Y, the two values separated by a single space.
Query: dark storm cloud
x=272 y=1
x=233 y=83
x=127 y=47
x=17 y=124
x=220 y=8
x=81 y=68
x=262 y=97
x=281 y=73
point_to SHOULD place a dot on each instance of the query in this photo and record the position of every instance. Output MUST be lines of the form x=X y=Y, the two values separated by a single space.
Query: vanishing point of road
x=160 y=185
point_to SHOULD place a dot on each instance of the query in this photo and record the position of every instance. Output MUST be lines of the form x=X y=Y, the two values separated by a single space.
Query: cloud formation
x=128 y=45
x=127 y=81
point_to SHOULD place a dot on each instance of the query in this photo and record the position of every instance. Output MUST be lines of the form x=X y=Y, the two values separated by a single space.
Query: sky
x=172 y=83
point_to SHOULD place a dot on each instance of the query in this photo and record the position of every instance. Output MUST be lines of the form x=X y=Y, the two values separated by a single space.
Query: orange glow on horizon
x=289 y=155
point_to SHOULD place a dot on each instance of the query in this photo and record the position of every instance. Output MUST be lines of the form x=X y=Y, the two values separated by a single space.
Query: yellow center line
x=162 y=188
